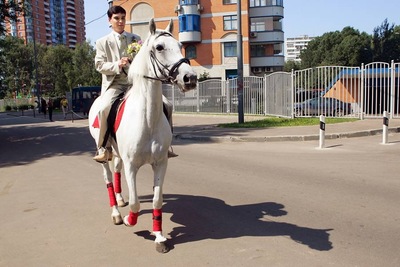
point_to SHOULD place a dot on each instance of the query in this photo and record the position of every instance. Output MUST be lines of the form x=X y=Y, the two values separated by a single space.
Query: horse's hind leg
x=115 y=214
x=159 y=174
x=117 y=182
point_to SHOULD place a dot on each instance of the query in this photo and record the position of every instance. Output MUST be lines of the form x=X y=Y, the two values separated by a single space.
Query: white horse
x=144 y=134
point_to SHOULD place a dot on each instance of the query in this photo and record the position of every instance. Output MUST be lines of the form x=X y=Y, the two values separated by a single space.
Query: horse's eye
x=159 y=47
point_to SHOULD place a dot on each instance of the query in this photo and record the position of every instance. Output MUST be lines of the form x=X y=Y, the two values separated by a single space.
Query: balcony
x=268 y=11
x=267 y=37
x=190 y=37
x=269 y=61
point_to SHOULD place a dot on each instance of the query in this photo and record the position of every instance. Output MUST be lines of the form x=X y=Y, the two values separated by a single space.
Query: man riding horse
x=113 y=63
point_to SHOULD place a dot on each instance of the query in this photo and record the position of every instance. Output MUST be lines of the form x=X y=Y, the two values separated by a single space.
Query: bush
x=24 y=107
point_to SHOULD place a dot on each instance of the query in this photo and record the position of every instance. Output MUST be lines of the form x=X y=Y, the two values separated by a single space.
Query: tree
x=83 y=71
x=386 y=42
x=54 y=68
x=346 y=48
x=15 y=66
x=291 y=65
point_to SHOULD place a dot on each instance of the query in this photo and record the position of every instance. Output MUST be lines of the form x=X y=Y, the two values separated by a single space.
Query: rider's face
x=117 y=22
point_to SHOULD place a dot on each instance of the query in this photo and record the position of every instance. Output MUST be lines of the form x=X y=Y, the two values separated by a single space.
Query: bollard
x=385 y=128
x=321 y=131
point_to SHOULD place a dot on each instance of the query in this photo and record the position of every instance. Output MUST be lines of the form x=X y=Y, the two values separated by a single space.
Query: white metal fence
x=335 y=91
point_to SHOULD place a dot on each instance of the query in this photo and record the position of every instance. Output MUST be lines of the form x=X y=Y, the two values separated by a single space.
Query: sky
x=308 y=17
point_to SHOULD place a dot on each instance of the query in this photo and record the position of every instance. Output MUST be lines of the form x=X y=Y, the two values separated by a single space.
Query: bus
x=83 y=98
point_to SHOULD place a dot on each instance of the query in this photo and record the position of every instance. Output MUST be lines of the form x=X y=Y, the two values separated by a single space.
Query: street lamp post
x=110 y=3
x=240 y=62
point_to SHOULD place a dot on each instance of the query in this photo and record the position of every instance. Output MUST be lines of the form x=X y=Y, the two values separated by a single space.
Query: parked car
x=327 y=106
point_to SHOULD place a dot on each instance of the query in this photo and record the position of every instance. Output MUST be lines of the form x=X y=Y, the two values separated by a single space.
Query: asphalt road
x=226 y=204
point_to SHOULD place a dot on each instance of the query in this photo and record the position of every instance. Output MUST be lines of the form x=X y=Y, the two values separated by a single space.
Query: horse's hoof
x=162 y=247
x=121 y=203
x=126 y=222
x=117 y=220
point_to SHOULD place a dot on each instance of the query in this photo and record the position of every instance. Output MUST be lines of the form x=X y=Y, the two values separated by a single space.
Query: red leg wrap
x=157 y=220
x=111 y=194
x=117 y=182
x=132 y=218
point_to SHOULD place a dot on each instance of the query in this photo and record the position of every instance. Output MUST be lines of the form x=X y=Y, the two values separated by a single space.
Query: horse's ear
x=170 y=26
x=152 y=27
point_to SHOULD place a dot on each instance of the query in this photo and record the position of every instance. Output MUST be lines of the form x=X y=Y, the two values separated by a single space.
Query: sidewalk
x=204 y=128
x=200 y=127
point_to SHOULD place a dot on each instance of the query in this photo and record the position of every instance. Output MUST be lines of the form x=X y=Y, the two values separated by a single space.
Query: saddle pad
x=120 y=112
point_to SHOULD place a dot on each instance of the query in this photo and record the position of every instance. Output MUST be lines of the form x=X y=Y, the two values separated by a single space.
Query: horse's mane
x=140 y=65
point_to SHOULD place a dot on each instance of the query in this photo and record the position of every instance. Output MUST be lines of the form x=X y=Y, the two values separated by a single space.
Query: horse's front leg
x=159 y=170
x=117 y=182
x=115 y=214
x=134 y=204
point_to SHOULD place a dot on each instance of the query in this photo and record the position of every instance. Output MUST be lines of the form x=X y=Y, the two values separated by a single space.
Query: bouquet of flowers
x=133 y=48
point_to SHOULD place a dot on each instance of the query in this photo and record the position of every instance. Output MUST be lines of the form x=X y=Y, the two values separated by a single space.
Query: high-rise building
x=295 y=45
x=208 y=32
x=51 y=22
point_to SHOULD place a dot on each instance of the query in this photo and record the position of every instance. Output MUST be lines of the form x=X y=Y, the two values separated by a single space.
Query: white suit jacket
x=108 y=56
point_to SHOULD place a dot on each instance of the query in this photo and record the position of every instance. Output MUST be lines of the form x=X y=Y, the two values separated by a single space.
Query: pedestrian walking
x=43 y=106
x=50 y=109
x=64 y=106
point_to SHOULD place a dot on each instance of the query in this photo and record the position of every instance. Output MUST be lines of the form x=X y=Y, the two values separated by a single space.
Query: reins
x=164 y=69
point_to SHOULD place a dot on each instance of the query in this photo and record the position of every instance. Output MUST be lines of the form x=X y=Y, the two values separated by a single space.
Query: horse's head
x=167 y=63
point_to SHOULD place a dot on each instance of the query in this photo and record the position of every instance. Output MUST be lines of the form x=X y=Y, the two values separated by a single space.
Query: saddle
x=115 y=116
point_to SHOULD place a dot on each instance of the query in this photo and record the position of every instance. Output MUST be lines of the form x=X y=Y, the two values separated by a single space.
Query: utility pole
x=110 y=3
x=240 y=62
x=37 y=89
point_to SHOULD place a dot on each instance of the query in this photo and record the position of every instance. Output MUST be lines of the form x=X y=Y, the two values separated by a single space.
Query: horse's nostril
x=190 y=78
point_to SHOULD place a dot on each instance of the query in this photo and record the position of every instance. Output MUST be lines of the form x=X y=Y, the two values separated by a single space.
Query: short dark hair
x=115 y=10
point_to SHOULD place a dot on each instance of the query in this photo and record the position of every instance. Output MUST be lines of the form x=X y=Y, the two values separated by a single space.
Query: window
x=265 y=50
x=230 y=49
x=191 y=52
x=189 y=23
x=230 y=23
x=265 y=24
x=260 y=3
x=257 y=24
x=229 y=2
x=189 y=2
x=257 y=51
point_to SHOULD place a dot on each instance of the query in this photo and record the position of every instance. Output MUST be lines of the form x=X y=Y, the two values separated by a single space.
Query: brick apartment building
x=208 y=32
x=51 y=22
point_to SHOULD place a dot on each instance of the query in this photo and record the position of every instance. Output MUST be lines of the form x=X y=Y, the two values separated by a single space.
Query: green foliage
x=59 y=69
x=283 y=122
x=386 y=42
x=204 y=76
x=352 y=48
x=346 y=48
x=291 y=65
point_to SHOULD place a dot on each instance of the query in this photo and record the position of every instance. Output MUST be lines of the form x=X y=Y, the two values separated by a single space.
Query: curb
x=313 y=137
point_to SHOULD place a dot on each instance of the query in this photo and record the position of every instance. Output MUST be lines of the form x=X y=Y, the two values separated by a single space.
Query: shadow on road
x=203 y=218
x=24 y=144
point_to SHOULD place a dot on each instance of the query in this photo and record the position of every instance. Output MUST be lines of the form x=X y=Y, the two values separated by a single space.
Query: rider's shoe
x=171 y=153
x=103 y=155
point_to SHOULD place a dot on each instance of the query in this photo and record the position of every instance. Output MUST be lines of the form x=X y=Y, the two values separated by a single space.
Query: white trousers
x=108 y=99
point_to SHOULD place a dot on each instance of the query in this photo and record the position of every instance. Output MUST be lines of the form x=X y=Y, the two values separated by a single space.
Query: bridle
x=166 y=71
